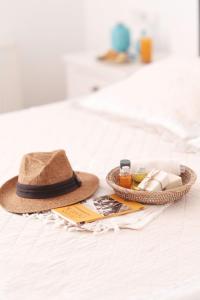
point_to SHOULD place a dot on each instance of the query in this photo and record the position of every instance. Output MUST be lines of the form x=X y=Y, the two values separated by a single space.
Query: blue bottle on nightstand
x=120 y=38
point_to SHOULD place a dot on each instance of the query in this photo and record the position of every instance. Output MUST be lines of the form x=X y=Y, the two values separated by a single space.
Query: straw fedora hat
x=46 y=180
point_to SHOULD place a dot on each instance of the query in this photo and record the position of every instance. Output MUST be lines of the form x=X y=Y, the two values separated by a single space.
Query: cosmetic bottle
x=145 y=48
x=125 y=177
x=139 y=174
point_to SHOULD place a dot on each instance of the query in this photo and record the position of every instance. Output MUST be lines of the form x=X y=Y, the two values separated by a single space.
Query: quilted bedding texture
x=39 y=261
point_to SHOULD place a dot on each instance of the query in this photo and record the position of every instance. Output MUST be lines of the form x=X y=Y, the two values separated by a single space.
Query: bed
x=39 y=261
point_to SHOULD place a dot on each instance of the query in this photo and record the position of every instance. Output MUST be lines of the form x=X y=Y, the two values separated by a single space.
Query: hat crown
x=44 y=168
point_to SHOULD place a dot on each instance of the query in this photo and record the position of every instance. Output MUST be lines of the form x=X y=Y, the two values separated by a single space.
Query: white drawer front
x=80 y=82
x=10 y=85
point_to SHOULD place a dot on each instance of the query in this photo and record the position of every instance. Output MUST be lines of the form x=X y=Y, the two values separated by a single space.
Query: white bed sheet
x=38 y=261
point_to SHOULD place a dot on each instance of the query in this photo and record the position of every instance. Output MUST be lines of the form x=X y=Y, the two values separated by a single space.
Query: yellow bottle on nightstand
x=146 y=48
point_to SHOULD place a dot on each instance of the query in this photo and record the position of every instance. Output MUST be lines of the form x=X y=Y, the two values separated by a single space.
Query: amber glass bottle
x=125 y=177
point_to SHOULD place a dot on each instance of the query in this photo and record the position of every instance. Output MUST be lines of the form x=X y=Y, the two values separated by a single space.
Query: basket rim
x=177 y=189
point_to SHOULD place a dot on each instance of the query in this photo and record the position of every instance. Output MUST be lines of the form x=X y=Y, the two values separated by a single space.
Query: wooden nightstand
x=85 y=74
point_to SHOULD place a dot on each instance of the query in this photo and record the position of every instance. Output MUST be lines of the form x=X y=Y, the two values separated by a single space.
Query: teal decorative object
x=120 y=38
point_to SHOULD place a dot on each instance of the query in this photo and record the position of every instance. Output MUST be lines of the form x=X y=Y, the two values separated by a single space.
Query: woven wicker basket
x=168 y=196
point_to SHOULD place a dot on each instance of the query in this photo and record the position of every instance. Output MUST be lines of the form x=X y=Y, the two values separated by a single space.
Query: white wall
x=43 y=30
x=175 y=22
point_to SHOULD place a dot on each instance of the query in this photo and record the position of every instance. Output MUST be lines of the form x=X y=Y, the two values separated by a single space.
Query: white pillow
x=165 y=93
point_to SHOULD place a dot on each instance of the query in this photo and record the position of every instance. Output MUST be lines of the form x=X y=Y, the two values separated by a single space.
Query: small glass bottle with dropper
x=125 y=176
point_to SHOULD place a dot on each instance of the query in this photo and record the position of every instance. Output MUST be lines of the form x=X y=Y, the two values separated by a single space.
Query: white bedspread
x=38 y=261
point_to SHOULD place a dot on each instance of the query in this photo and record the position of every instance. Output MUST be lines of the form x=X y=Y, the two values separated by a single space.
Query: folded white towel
x=171 y=166
x=136 y=220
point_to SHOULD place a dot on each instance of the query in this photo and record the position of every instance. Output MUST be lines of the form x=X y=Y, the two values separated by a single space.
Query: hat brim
x=12 y=203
